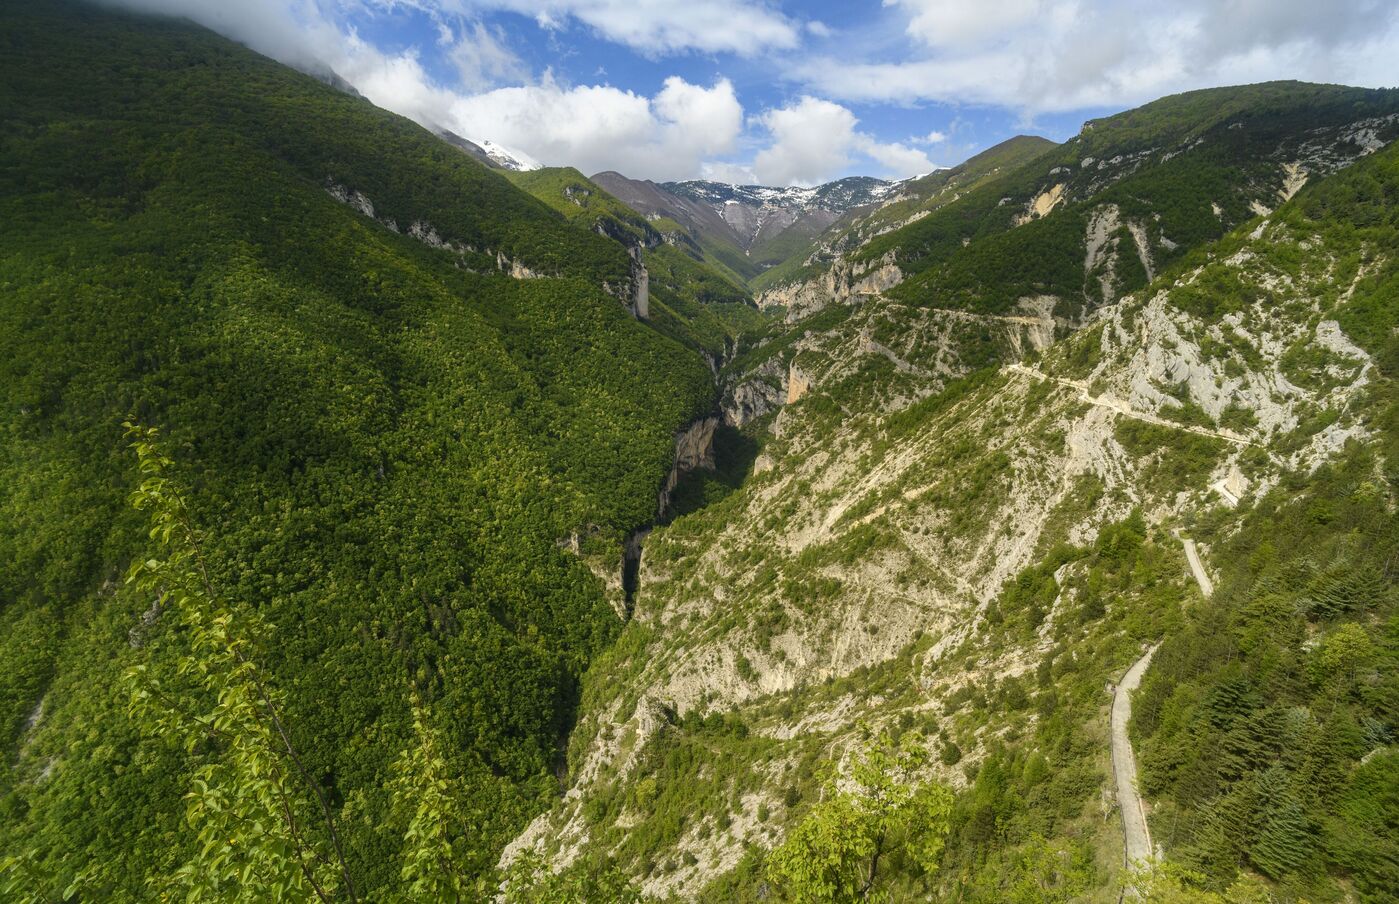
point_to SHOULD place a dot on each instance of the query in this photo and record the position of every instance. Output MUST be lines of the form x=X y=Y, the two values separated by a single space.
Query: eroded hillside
x=973 y=557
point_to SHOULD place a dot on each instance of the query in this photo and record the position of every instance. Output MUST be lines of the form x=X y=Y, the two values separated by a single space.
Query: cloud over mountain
x=813 y=140
x=1057 y=55
x=791 y=93
x=600 y=127
x=653 y=26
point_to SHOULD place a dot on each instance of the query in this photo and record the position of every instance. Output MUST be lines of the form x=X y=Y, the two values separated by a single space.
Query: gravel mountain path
x=1135 y=831
x=1192 y=555
x=1127 y=410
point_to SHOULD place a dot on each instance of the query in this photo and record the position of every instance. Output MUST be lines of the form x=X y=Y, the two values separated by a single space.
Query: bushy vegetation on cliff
x=1186 y=169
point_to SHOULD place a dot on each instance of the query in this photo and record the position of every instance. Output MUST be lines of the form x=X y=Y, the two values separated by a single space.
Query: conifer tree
x=1284 y=840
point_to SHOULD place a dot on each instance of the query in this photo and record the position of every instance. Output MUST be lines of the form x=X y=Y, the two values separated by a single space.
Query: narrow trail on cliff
x=1136 y=834
x=1126 y=410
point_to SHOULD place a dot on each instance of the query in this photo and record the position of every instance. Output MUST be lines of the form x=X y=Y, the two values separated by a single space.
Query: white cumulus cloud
x=810 y=140
x=956 y=23
x=652 y=27
x=813 y=140
x=596 y=127
x=1057 y=55
x=481 y=56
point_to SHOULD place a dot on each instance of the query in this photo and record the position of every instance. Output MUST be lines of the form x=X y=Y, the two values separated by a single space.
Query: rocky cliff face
x=843 y=281
x=755 y=394
x=694 y=450
x=798 y=384
x=641 y=286
x=427 y=234
x=871 y=528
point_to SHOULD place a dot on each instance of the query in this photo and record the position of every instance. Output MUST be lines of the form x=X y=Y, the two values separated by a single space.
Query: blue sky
x=786 y=92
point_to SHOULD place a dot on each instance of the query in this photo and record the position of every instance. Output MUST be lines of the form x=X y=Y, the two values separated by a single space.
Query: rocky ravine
x=720 y=630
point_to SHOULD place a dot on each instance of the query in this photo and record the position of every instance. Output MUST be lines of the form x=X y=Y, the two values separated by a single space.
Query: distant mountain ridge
x=508 y=158
x=749 y=227
x=759 y=213
x=838 y=196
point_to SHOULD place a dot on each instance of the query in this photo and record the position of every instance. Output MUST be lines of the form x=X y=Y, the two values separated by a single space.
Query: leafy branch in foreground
x=23 y=879
x=264 y=829
x=883 y=811
x=431 y=868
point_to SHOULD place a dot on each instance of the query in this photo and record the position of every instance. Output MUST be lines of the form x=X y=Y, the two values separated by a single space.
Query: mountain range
x=386 y=518
x=752 y=226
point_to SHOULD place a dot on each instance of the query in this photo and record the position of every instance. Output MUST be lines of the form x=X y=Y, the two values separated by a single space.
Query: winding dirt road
x=1136 y=833
x=1192 y=555
x=1126 y=410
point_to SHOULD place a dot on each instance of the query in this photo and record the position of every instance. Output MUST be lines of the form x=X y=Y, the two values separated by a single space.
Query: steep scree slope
x=975 y=565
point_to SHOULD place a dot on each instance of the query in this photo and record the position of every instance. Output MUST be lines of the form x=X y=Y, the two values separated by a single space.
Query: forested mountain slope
x=690 y=295
x=964 y=569
x=491 y=543
x=1029 y=250
x=390 y=382
x=910 y=201
x=1111 y=207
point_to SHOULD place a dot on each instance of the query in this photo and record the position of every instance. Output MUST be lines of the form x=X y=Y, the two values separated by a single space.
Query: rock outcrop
x=1042 y=204
x=641 y=286
x=694 y=451
x=758 y=393
x=798 y=384
x=843 y=281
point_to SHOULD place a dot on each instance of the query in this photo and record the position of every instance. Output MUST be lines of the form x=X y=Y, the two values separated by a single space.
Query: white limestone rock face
x=516 y=269
x=1099 y=257
x=1042 y=204
x=756 y=394
x=842 y=282
x=351 y=197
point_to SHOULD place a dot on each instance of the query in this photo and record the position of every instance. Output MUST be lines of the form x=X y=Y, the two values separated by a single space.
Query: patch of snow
x=509 y=158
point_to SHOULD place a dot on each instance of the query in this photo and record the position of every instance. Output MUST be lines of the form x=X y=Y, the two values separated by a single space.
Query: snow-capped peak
x=508 y=157
x=837 y=196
